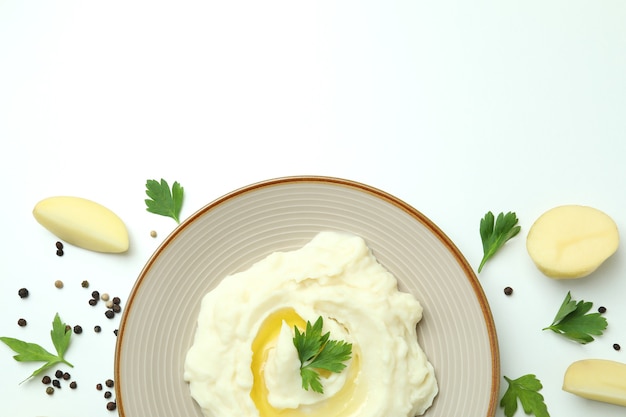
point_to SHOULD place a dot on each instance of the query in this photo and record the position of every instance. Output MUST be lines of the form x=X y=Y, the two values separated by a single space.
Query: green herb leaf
x=32 y=352
x=163 y=201
x=573 y=322
x=316 y=352
x=311 y=378
x=525 y=389
x=28 y=352
x=60 y=336
x=495 y=235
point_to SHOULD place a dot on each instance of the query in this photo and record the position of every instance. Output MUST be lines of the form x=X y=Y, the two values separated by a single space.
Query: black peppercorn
x=58 y=374
x=21 y=322
x=66 y=376
x=59 y=245
x=49 y=390
x=109 y=314
x=78 y=329
x=116 y=300
x=508 y=291
x=97 y=329
x=601 y=309
x=111 y=406
x=73 y=385
x=95 y=294
x=107 y=394
x=109 y=383
x=46 y=380
x=115 y=332
x=99 y=387
x=59 y=252
x=93 y=302
x=116 y=308
x=23 y=292
x=616 y=346
x=56 y=383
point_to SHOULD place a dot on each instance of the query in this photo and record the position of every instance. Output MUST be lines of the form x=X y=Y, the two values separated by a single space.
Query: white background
x=455 y=107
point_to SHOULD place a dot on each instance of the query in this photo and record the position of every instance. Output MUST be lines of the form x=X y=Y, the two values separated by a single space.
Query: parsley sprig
x=32 y=352
x=525 y=389
x=316 y=352
x=164 y=201
x=495 y=235
x=573 y=322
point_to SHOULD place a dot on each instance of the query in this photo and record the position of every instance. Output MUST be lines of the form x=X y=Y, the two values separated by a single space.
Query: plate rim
x=337 y=181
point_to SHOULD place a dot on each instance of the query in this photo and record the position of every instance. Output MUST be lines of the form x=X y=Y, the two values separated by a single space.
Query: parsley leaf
x=32 y=352
x=163 y=201
x=495 y=236
x=316 y=352
x=573 y=322
x=525 y=389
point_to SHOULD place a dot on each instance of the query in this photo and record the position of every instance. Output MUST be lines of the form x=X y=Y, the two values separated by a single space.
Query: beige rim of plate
x=457 y=331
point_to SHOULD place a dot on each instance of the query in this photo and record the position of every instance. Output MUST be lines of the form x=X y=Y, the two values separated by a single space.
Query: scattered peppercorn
x=84 y=284
x=56 y=383
x=95 y=294
x=109 y=383
x=99 y=387
x=111 y=406
x=115 y=332
x=601 y=309
x=46 y=380
x=109 y=314
x=68 y=328
x=21 y=322
x=93 y=302
x=104 y=297
x=109 y=304
x=58 y=283
x=49 y=390
x=508 y=291
x=116 y=308
x=97 y=329
x=616 y=346
x=73 y=385
x=153 y=233
x=58 y=373
x=59 y=245
x=59 y=252
x=116 y=301
x=108 y=394
x=78 y=329
x=66 y=376
x=23 y=293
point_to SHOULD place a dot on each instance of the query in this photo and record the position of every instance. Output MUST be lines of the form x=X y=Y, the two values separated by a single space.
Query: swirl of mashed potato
x=243 y=361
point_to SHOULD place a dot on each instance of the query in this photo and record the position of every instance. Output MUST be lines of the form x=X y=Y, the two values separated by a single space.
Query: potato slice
x=597 y=379
x=83 y=223
x=571 y=241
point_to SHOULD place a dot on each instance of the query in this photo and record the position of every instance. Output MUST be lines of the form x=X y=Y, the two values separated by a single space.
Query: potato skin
x=571 y=241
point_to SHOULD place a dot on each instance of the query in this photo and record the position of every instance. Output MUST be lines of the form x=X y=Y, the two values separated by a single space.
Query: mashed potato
x=243 y=361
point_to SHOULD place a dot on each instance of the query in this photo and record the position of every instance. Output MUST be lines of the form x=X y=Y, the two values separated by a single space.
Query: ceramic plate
x=230 y=234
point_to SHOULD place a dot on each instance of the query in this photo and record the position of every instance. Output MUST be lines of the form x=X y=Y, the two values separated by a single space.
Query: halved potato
x=571 y=241
x=83 y=223
x=597 y=379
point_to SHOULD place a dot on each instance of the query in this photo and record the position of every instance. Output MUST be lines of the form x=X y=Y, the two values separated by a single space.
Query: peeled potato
x=597 y=379
x=83 y=223
x=571 y=241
